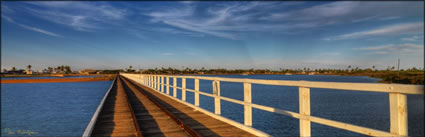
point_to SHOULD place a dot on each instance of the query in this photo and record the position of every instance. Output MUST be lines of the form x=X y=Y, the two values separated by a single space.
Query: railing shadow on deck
x=397 y=99
x=175 y=110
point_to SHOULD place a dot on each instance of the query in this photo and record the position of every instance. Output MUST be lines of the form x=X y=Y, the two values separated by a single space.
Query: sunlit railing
x=397 y=99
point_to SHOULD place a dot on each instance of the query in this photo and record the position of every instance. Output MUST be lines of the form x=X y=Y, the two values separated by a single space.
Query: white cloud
x=8 y=18
x=220 y=20
x=407 y=48
x=40 y=30
x=413 y=38
x=82 y=16
x=330 y=54
x=227 y=20
x=167 y=54
x=31 y=28
x=380 y=52
x=407 y=28
x=5 y=9
x=350 y=11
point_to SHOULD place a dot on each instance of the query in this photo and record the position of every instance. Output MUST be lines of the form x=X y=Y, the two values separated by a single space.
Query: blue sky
x=273 y=35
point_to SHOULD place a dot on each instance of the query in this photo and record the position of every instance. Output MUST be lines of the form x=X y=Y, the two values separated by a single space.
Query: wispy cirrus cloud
x=8 y=18
x=413 y=38
x=407 y=28
x=81 y=16
x=40 y=30
x=31 y=28
x=219 y=20
x=349 y=11
x=394 y=48
x=167 y=54
x=227 y=20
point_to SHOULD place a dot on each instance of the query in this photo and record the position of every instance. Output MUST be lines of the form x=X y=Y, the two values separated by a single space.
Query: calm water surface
x=10 y=78
x=65 y=109
x=50 y=109
x=368 y=109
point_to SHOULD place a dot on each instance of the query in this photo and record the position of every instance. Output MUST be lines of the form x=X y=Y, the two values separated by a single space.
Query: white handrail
x=397 y=98
x=371 y=87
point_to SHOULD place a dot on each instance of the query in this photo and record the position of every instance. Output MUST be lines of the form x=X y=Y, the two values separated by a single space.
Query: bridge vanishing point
x=141 y=105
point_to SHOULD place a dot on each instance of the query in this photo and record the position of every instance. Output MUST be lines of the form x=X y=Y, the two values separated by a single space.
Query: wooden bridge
x=141 y=105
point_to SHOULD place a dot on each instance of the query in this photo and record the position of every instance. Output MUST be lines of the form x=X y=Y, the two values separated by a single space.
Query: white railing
x=397 y=99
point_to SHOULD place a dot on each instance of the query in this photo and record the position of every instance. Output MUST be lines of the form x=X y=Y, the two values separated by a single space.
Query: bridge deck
x=155 y=115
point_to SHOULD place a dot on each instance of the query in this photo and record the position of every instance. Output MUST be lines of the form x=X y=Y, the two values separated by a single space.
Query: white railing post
x=158 y=83
x=216 y=92
x=398 y=114
x=154 y=82
x=247 y=104
x=144 y=80
x=175 y=87
x=197 y=92
x=162 y=84
x=304 y=104
x=168 y=85
x=150 y=81
x=184 y=89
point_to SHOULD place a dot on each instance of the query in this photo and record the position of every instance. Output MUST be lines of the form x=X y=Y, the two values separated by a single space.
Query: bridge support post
x=197 y=92
x=247 y=104
x=216 y=92
x=398 y=114
x=168 y=85
x=184 y=89
x=304 y=104
x=162 y=84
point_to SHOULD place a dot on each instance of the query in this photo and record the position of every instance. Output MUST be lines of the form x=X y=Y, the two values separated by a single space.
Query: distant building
x=46 y=71
x=21 y=71
x=4 y=70
x=87 y=71
x=28 y=72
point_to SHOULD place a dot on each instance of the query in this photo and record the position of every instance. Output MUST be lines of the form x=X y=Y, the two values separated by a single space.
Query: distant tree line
x=187 y=70
x=389 y=75
x=59 y=69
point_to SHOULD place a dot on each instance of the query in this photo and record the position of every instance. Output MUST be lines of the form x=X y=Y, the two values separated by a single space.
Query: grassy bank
x=394 y=77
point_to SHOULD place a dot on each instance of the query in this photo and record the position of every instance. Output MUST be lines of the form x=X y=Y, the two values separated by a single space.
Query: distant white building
x=3 y=70
x=46 y=71
x=29 y=72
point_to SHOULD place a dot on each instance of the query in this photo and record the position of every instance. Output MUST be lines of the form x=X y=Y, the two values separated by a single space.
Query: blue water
x=65 y=109
x=49 y=109
x=10 y=78
x=368 y=109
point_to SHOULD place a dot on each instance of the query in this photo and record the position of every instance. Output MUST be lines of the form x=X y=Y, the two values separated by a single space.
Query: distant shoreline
x=88 y=79
x=404 y=78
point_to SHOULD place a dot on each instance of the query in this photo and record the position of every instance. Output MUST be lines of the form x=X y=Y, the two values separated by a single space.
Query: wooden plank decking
x=132 y=108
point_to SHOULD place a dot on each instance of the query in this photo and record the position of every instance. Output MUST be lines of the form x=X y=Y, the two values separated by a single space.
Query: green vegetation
x=389 y=75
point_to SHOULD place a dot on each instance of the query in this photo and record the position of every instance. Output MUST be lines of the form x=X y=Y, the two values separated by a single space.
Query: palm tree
x=50 y=69
x=29 y=67
x=13 y=69
x=67 y=69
